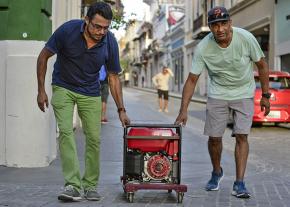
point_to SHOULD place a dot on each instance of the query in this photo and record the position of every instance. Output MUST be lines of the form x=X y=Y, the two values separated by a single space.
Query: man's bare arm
x=263 y=70
x=187 y=93
x=42 y=99
x=116 y=91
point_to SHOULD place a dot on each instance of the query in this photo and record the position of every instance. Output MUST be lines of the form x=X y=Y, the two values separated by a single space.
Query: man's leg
x=216 y=120
x=243 y=112
x=215 y=152
x=165 y=93
x=104 y=109
x=104 y=98
x=215 y=148
x=159 y=92
x=160 y=104
x=63 y=102
x=241 y=155
x=89 y=109
x=165 y=105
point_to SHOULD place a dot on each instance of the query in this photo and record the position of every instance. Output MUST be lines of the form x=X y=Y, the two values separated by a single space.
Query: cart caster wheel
x=169 y=191
x=130 y=197
x=180 y=197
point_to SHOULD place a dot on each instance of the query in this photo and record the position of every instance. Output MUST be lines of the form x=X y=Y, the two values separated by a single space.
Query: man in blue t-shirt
x=82 y=47
x=228 y=54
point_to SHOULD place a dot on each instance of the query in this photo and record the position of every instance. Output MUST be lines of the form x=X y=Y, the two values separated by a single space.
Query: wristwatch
x=266 y=95
x=121 y=109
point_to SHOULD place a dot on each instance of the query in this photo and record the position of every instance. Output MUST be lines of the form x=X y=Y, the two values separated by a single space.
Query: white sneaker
x=166 y=110
x=160 y=110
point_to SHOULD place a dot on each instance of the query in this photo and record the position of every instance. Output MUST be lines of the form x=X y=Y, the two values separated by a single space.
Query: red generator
x=152 y=159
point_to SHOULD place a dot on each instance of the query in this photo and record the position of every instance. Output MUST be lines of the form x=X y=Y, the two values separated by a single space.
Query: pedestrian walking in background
x=104 y=93
x=82 y=47
x=228 y=54
x=127 y=79
x=143 y=81
x=161 y=82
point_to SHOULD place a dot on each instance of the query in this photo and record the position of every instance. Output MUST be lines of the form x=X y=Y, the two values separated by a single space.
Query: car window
x=276 y=82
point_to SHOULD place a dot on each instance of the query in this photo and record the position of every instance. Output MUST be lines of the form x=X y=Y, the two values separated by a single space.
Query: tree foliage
x=124 y=64
x=119 y=19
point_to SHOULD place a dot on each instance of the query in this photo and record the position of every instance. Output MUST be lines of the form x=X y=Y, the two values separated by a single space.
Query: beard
x=94 y=37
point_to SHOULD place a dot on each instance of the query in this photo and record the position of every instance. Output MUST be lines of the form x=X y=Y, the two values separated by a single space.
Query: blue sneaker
x=214 y=182
x=240 y=190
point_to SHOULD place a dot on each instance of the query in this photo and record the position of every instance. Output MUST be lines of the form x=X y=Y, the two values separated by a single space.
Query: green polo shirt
x=230 y=69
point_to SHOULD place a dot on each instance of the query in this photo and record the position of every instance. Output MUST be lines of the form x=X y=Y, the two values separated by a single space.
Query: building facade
x=174 y=40
x=282 y=35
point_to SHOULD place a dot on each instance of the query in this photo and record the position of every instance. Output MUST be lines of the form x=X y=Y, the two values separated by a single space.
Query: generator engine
x=152 y=160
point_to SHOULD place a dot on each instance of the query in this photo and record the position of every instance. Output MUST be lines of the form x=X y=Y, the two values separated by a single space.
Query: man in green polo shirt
x=228 y=54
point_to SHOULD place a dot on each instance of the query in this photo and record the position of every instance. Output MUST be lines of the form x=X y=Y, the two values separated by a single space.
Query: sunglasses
x=98 y=27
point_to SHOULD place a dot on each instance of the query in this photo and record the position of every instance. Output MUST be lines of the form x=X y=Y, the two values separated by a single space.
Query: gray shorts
x=218 y=113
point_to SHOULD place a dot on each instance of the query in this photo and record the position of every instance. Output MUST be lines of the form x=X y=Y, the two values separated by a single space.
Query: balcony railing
x=197 y=23
x=200 y=28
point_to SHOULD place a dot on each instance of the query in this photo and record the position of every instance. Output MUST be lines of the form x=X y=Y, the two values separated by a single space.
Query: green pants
x=89 y=110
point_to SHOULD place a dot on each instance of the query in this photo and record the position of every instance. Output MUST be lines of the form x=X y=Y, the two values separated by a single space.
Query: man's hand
x=181 y=119
x=42 y=101
x=124 y=118
x=265 y=105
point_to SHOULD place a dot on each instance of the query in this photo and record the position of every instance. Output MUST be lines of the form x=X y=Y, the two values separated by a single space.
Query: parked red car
x=279 y=85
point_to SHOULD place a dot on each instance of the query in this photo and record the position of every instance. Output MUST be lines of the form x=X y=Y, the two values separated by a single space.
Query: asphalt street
x=267 y=175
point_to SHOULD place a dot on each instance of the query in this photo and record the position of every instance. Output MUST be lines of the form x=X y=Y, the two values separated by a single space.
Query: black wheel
x=130 y=197
x=180 y=197
x=257 y=124
x=169 y=191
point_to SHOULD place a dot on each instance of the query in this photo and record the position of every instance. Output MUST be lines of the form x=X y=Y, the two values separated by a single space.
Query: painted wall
x=65 y=10
x=282 y=27
x=28 y=136
x=282 y=24
x=3 y=52
x=252 y=17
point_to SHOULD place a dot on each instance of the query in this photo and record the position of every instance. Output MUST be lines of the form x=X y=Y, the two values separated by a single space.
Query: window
x=285 y=63
x=276 y=82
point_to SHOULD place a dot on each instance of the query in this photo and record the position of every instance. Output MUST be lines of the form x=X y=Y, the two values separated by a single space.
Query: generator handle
x=177 y=127
x=154 y=125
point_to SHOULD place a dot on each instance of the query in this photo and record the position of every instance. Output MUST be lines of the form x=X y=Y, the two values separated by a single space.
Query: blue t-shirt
x=77 y=67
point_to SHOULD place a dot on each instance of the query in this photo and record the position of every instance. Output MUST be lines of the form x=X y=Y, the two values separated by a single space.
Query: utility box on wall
x=25 y=19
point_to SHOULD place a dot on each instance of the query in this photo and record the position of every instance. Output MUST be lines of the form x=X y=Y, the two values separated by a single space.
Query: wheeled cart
x=152 y=159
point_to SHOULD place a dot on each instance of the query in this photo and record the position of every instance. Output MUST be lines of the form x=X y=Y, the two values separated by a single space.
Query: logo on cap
x=217 y=12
